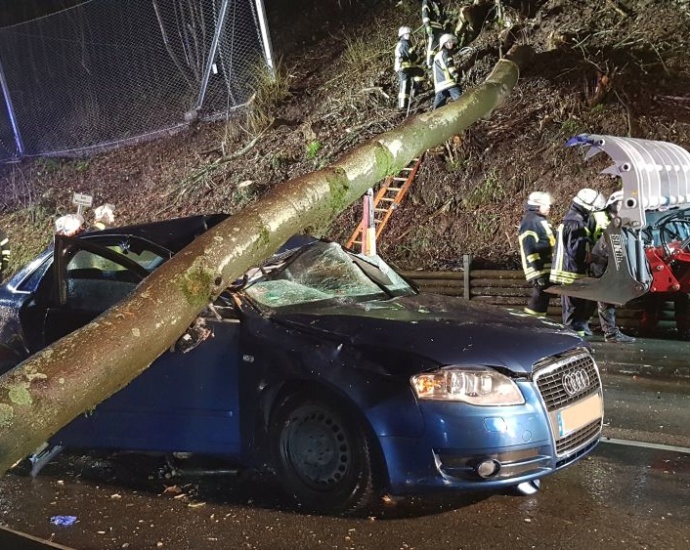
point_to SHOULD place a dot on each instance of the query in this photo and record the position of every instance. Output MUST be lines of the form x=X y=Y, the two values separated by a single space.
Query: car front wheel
x=322 y=456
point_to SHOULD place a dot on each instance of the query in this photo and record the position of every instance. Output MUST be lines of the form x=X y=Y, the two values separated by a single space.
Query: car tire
x=322 y=456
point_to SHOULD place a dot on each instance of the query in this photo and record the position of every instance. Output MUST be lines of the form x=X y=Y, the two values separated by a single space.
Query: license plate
x=578 y=415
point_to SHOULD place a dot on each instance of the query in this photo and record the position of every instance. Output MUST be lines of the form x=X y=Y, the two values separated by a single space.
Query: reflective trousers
x=538 y=302
x=576 y=312
x=607 y=318
x=410 y=78
x=442 y=97
x=432 y=46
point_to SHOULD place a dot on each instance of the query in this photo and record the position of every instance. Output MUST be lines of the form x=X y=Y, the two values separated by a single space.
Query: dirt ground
x=605 y=66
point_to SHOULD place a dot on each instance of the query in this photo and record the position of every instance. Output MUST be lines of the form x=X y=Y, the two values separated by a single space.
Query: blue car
x=324 y=367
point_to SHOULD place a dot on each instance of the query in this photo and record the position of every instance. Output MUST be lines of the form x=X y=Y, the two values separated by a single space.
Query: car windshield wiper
x=374 y=274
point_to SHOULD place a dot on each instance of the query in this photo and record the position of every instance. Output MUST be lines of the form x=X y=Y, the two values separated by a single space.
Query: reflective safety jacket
x=573 y=240
x=433 y=16
x=405 y=55
x=445 y=72
x=601 y=221
x=599 y=255
x=536 y=240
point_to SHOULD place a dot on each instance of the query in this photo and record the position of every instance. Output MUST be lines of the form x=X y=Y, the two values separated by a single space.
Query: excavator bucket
x=656 y=177
x=625 y=278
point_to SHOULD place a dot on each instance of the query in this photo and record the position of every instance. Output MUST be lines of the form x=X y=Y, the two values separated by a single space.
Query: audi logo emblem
x=575 y=382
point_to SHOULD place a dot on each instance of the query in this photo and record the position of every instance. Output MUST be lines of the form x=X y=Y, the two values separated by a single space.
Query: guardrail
x=508 y=288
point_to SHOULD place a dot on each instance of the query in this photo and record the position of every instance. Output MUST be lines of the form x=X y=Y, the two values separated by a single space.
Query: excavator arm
x=656 y=178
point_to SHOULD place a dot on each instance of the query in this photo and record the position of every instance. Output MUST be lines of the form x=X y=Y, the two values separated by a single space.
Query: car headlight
x=476 y=387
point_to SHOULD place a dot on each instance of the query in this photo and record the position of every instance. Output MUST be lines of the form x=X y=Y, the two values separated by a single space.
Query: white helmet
x=446 y=38
x=402 y=31
x=590 y=199
x=539 y=198
x=616 y=196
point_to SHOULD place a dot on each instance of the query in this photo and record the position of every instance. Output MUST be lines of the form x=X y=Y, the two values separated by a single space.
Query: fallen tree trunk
x=52 y=387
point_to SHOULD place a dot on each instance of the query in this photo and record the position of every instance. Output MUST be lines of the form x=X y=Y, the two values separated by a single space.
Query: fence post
x=10 y=112
x=265 y=36
x=212 y=54
x=466 y=261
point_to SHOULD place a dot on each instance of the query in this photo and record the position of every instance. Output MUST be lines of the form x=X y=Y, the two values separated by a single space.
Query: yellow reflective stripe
x=601 y=221
x=526 y=234
x=557 y=261
x=532 y=273
x=4 y=241
x=448 y=80
x=535 y=313
x=564 y=277
x=549 y=232
x=525 y=266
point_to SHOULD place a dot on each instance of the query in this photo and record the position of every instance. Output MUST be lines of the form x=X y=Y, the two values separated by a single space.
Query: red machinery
x=669 y=254
x=649 y=240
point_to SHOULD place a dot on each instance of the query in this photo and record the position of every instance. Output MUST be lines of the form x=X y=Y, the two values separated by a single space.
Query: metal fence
x=107 y=72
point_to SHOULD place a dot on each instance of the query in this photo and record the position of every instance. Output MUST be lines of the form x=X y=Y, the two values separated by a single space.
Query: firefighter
x=446 y=75
x=434 y=21
x=570 y=260
x=599 y=261
x=464 y=29
x=409 y=72
x=536 y=240
x=103 y=217
x=4 y=253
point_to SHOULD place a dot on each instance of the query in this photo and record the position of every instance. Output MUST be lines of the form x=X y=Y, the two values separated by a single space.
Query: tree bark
x=55 y=385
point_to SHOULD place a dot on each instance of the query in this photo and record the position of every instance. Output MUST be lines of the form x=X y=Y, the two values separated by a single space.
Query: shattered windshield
x=325 y=271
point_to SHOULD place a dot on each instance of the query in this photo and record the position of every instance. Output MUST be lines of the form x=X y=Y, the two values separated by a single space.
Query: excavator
x=649 y=240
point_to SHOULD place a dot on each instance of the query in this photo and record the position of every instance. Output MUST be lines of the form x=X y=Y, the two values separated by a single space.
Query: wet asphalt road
x=622 y=497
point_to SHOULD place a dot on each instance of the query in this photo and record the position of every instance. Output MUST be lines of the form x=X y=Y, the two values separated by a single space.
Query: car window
x=28 y=278
x=325 y=271
x=96 y=278
x=95 y=283
x=146 y=258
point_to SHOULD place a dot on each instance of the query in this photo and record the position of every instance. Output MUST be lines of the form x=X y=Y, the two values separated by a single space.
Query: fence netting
x=111 y=71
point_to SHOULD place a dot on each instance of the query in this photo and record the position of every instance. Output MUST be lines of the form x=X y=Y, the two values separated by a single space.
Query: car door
x=86 y=279
x=186 y=400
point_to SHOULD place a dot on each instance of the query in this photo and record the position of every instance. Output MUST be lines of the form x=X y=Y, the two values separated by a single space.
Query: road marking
x=655 y=446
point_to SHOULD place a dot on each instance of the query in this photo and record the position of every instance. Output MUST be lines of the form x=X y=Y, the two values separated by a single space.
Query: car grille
x=554 y=378
x=577 y=439
x=549 y=376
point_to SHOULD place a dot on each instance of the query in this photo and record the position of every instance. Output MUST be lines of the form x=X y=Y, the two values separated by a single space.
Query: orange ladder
x=389 y=195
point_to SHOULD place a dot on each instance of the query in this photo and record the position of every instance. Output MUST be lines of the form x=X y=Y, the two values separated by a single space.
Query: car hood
x=441 y=329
